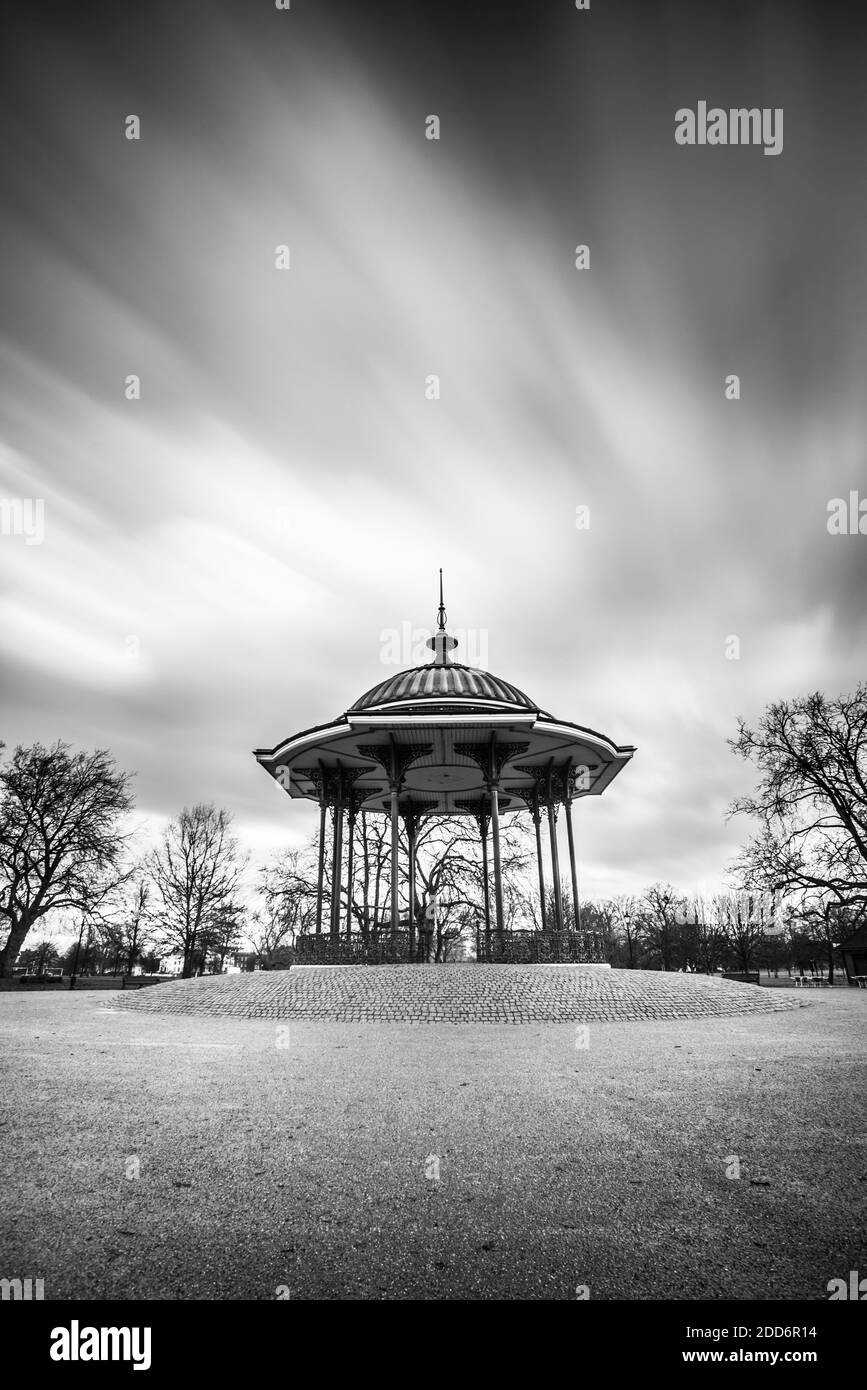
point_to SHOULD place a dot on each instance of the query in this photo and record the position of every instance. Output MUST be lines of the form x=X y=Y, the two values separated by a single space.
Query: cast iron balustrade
x=514 y=948
x=543 y=948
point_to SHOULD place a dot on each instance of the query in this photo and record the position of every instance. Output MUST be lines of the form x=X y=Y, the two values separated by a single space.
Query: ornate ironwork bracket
x=316 y=775
x=479 y=811
x=395 y=757
x=531 y=796
x=328 y=781
x=357 y=798
x=572 y=775
x=491 y=758
x=550 y=783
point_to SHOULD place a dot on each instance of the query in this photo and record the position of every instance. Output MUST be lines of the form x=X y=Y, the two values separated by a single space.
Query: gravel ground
x=386 y=1160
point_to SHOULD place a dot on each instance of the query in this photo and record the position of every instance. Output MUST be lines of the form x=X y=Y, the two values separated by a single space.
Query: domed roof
x=437 y=736
x=448 y=681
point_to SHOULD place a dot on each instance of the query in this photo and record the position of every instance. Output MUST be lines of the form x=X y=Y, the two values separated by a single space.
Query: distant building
x=854 y=953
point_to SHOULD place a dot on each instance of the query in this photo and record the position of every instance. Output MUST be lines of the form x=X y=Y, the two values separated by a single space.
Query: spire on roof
x=441 y=643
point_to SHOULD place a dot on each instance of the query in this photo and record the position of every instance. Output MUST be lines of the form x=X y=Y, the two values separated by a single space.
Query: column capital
x=491 y=757
x=412 y=816
x=395 y=758
x=335 y=783
x=551 y=781
x=531 y=796
x=479 y=812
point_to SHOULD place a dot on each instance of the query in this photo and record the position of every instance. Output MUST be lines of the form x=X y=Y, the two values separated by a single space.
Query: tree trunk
x=132 y=948
x=11 y=950
x=189 y=953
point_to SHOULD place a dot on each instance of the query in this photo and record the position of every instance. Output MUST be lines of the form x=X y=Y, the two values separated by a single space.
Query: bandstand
x=445 y=739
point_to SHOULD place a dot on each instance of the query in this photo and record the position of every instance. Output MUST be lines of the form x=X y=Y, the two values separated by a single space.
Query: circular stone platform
x=459 y=994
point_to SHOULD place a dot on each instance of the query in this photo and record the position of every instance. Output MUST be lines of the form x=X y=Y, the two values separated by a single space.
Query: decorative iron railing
x=513 y=948
x=542 y=948
x=376 y=950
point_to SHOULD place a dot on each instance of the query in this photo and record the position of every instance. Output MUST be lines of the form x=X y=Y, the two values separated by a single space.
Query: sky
x=222 y=561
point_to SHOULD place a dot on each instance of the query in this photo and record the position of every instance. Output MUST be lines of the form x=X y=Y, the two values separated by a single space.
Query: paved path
x=460 y=994
x=305 y=1155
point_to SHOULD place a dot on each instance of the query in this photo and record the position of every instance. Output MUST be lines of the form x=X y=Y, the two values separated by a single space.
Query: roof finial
x=441 y=618
x=441 y=644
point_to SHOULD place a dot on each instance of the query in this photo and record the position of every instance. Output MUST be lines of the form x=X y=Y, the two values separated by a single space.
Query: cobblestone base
x=460 y=994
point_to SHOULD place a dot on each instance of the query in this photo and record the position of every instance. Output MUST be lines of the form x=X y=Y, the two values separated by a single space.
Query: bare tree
x=811 y=801
x=370 y=872
x=448 y=861
x=125 y=923
x=221 y=937
x=136 y=923
x=625 y=911
x=60 y=838
x=287 y=889
x=658 y=924
x=825 y=921
x=743 y=918
x=195 y=871
x=703 y=941
x=449 y=865
x=601 y=919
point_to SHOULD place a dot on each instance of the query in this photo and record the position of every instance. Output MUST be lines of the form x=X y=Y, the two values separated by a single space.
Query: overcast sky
x=222 y=557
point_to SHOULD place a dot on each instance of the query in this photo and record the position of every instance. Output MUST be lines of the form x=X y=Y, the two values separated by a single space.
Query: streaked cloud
x=222 y=555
